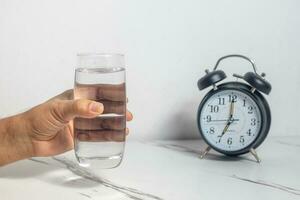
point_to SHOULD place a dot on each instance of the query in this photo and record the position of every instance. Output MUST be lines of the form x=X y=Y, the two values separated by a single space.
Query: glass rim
x=100 y=60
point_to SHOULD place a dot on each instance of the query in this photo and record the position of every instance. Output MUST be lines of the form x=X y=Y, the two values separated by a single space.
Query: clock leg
x=254 y=153
x=208 y=148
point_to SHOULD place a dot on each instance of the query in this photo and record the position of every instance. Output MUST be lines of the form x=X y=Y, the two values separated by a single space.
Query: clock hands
x=230 y=119
x=226 y=128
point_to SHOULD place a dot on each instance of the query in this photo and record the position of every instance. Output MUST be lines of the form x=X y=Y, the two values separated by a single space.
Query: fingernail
x=95 y=107
x=131 y=115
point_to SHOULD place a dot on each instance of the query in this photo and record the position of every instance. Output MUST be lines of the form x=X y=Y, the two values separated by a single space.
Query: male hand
x=50 y=126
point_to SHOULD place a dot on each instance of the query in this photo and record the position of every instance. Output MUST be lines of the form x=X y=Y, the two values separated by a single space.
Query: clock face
x=230 y=120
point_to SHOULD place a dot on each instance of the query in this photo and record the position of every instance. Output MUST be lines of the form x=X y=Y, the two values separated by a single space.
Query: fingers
x=101 y=128
x=115 y=123
x=116 y=107
x=67 y=110
x=100 y=135
x=101 y=92
x=100 y=123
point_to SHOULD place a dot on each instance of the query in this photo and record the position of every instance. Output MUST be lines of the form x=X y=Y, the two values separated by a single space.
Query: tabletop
x=162 y=170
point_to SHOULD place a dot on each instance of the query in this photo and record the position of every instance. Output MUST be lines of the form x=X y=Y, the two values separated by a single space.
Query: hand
x=103 y=128
x=50 y=127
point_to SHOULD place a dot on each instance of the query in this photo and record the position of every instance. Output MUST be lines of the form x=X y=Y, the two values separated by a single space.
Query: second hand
x=223 y=120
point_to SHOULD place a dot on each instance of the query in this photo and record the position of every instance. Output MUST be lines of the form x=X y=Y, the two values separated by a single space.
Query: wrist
x=22 y=132
x=16 y=142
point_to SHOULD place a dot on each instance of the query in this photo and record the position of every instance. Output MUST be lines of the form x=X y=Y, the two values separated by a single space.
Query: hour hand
x=226 y=128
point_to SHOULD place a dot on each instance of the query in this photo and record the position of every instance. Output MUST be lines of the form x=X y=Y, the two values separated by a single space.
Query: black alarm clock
x=234 y=118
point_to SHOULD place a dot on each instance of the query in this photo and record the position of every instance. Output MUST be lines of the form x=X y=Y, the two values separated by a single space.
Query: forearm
x=15 y=143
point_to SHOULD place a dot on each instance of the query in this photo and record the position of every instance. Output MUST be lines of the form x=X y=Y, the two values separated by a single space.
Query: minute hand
x=231 y=111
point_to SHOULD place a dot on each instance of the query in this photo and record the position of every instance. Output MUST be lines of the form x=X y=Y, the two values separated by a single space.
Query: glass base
x=100 y=162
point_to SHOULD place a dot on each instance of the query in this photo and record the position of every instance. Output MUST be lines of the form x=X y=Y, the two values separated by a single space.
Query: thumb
x=69 y=109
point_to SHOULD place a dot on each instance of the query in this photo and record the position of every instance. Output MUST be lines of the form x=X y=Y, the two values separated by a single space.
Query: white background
x=168 y=44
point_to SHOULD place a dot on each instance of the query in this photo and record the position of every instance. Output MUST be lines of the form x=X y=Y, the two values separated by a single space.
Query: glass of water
x=100 y=141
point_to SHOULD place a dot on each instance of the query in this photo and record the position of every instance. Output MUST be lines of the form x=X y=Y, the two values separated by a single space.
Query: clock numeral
x=212 y=130
x=232 y=98
x=221 y=101
x=214 y=109
x=253 y=122
x=229 y=141
x=249 y=132
x=219 y=138
x=208 y=118
x=244 y=102
x=250 y=110
x=242 y=139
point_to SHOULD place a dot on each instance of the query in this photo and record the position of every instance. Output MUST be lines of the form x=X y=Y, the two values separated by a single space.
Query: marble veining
x=180 y=148
x=85 y=195
x=83 y=172
x=271 y=185
x=166 y=169
x=288 y=143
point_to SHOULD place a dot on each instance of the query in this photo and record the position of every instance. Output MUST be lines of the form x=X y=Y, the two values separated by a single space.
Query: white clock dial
x=230 y=132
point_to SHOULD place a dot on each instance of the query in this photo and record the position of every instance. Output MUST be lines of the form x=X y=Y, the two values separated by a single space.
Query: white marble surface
x=169 y=170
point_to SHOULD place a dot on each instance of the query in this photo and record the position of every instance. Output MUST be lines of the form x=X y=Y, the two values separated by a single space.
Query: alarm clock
x=234 y=117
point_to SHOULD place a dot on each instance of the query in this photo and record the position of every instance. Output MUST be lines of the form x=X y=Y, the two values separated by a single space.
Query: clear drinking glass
x=100 y=141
